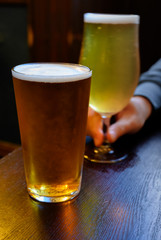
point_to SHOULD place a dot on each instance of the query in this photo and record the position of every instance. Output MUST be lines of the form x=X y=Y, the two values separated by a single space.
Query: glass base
x=53 y=199
x=103 y=154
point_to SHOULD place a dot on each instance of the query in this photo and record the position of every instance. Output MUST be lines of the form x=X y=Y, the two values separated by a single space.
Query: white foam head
x=111 y=18
x=51 y=72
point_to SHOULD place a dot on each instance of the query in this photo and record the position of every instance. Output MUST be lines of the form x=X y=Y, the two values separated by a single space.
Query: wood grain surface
x=117 y=202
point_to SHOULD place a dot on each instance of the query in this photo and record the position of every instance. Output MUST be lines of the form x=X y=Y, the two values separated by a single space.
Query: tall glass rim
x=85 y=72
x=111 y=18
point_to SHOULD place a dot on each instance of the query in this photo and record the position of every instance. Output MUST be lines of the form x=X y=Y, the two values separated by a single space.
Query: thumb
x=118 y=129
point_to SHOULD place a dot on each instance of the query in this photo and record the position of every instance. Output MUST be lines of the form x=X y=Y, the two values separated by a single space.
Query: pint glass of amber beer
x=52 y=105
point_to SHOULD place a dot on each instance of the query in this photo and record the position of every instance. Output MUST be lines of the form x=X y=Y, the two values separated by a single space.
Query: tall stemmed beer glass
x=110 y=47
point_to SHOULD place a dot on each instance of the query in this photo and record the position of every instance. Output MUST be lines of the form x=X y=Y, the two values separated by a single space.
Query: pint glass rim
x=111 y=18
x=83 y=72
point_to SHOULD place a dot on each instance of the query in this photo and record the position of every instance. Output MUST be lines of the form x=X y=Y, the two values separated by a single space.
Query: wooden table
x=116 y=202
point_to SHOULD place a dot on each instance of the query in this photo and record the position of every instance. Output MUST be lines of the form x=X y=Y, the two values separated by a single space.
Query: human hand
x=130 y=120
x=95 y=127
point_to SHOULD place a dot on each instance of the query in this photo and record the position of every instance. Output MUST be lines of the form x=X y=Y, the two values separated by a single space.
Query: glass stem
x=106 y=124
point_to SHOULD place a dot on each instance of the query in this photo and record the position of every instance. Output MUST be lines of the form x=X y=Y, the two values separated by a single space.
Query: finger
x=98 y=137
x=94 y=127
x=118 y=129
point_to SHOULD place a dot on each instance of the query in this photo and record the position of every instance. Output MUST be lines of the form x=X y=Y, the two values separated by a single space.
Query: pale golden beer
x=52 y=105
x=110 y=48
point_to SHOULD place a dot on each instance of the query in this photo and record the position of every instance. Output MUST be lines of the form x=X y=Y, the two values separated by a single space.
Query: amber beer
x=52 y=104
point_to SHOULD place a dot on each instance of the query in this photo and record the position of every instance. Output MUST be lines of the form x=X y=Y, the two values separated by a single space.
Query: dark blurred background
x=51 y=31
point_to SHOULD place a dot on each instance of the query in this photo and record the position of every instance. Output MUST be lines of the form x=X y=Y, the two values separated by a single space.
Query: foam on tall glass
x=111 y=18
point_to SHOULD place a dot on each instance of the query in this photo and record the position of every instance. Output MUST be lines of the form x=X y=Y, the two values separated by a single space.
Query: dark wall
x=13 y=51
x=150 y=23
